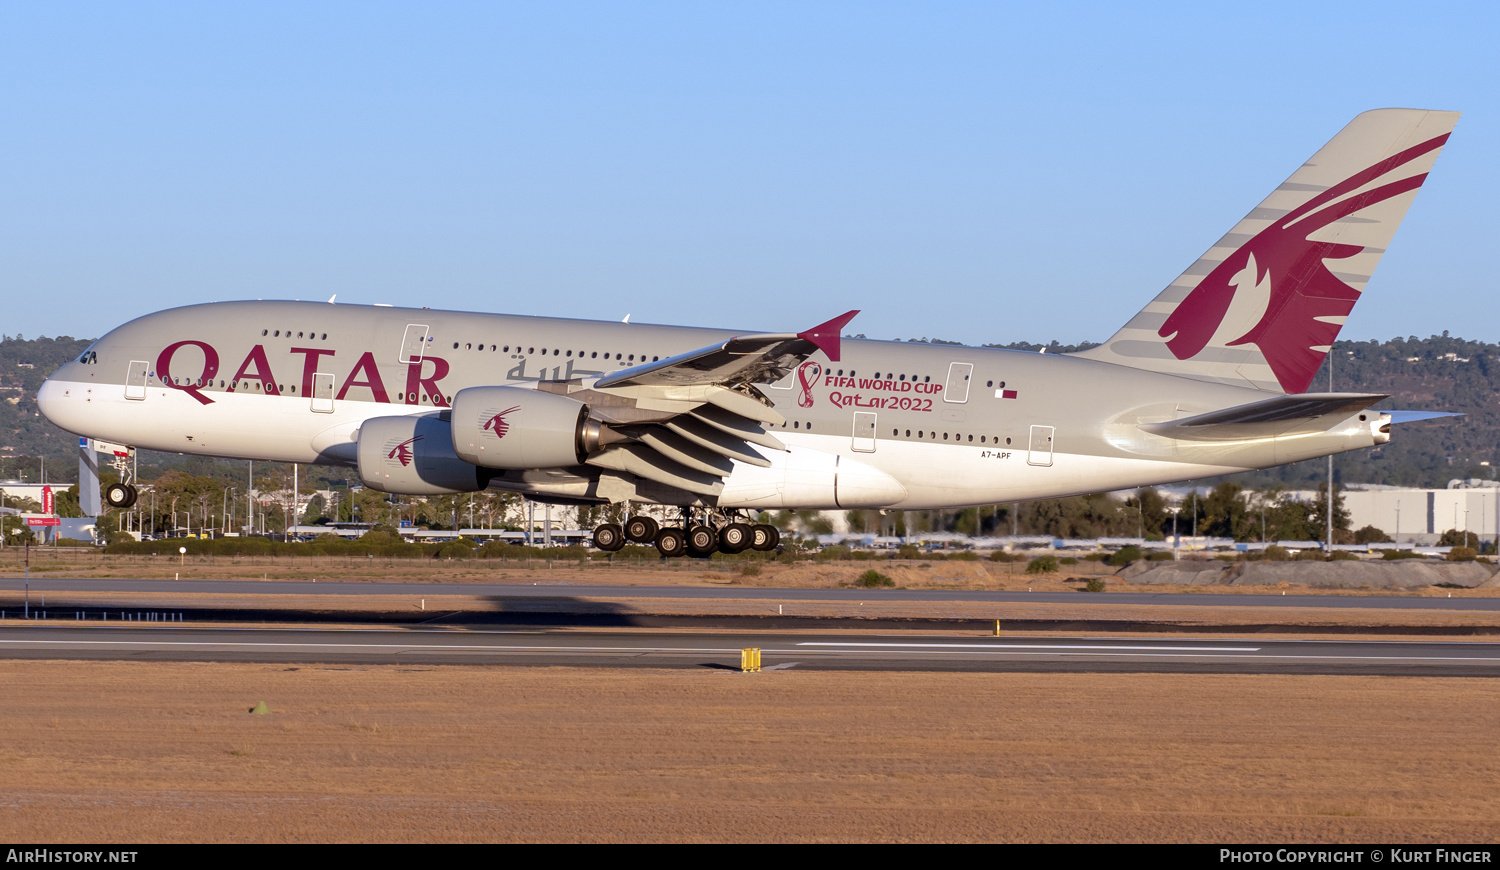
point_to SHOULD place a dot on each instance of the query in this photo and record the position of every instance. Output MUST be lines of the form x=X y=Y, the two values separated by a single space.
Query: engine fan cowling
x=509 y=427
x=414 y=456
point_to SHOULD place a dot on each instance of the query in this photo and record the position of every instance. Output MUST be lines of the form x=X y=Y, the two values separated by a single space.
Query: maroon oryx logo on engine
x=402 y=452
x=498 y=424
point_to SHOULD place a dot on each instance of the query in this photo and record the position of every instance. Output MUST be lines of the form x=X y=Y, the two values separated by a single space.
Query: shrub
x=833 y=553
x=1042 y=565
x=459 y=549
x=632 y=551
x=1124 y=556
x=1096 y=557
x=1393 y=555
x=1274 y=553
x=1342 y=556
x=1161 y=556
x=1067 y=560
x=1462 y=554
x=1002 y=556
x=1310 y=556
x=749 y=569
x=1094 y=585
x=964 y=556
x=873 y=579
x=909 y=551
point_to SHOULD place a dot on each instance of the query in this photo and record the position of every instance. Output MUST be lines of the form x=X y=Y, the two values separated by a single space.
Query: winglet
x=826 y=335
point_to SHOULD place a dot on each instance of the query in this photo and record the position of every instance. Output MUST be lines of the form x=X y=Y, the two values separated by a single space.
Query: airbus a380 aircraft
x=1208 y=379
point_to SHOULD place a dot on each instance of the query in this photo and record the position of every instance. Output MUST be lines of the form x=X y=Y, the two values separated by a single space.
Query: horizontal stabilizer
x=1270 y=418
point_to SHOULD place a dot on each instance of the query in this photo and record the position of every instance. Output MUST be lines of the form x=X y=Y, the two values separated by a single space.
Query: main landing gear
x=712 y=531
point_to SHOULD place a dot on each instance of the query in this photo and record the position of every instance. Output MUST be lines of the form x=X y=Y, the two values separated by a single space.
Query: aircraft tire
x=764 y=537
x=641 y=530
x=701 y=541
x=670 y=543
x=609 y=537
x=134 y=494
x=118 y=495
x=735 y=538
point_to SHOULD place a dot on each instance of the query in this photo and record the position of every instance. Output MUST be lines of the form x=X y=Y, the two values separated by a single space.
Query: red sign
x=46 y=499
x=43 y=521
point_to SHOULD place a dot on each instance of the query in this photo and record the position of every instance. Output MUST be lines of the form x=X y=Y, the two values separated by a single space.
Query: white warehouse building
x=1422 y=515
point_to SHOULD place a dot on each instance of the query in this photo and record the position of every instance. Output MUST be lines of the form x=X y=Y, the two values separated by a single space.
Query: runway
x=567 y=590
x=721 y=650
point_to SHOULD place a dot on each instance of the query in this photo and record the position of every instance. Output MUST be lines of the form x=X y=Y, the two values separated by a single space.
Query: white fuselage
x=887 y=426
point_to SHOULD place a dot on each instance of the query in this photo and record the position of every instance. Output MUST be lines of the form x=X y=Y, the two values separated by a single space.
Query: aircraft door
x=957 y=388
x=135 y=379
x=864 y=432
x=414 y=343
x=322 y=393
x=1040 y=450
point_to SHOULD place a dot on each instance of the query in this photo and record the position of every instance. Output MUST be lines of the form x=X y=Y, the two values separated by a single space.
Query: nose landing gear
x=120 y=495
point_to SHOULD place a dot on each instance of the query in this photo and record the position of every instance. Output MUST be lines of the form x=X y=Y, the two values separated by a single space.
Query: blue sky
x=974 y=172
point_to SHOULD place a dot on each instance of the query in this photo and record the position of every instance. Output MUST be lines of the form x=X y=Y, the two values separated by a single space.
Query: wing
x=748 y=359
x=683 y=421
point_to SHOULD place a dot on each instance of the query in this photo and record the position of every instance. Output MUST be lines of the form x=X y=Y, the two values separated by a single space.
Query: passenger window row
x=933 y=436
x=287 y=333
x=582 y=354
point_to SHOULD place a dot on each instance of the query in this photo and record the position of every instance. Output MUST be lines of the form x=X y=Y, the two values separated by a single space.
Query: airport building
x=1421 y=516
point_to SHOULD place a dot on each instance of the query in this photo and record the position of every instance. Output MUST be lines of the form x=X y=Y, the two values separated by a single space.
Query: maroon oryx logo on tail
x=498 y=424
x=402 y=452
x=1305 y=301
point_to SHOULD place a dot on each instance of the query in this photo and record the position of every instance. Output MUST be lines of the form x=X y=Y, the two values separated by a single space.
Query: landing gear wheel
x=609 y=537
x=118 y=495
x=764 y=537
x=641 y=530
x=670 y=543
x=735 y=538
x=133 y=495
x=701 y=541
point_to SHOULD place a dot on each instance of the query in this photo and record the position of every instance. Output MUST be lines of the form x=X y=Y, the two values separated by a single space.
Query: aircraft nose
x=59 y=404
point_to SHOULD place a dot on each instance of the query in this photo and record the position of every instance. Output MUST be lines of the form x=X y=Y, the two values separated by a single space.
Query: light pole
x=28 y=571
x=1176 y=541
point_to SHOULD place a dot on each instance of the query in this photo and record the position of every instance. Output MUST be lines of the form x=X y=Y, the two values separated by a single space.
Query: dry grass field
x=116 y=752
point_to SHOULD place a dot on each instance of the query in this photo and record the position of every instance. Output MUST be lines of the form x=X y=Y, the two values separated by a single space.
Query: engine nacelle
x=414 y=456
x=510 y=427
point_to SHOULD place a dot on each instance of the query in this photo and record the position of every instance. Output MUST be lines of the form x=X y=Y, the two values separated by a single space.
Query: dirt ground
x=908 y=574
x=119 y=752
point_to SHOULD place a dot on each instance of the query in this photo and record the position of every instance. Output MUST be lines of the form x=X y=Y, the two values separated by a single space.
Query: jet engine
x=509 y=427
x=414 y=456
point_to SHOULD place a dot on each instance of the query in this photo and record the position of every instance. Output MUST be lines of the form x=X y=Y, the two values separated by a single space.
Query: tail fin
x=1264 y=304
